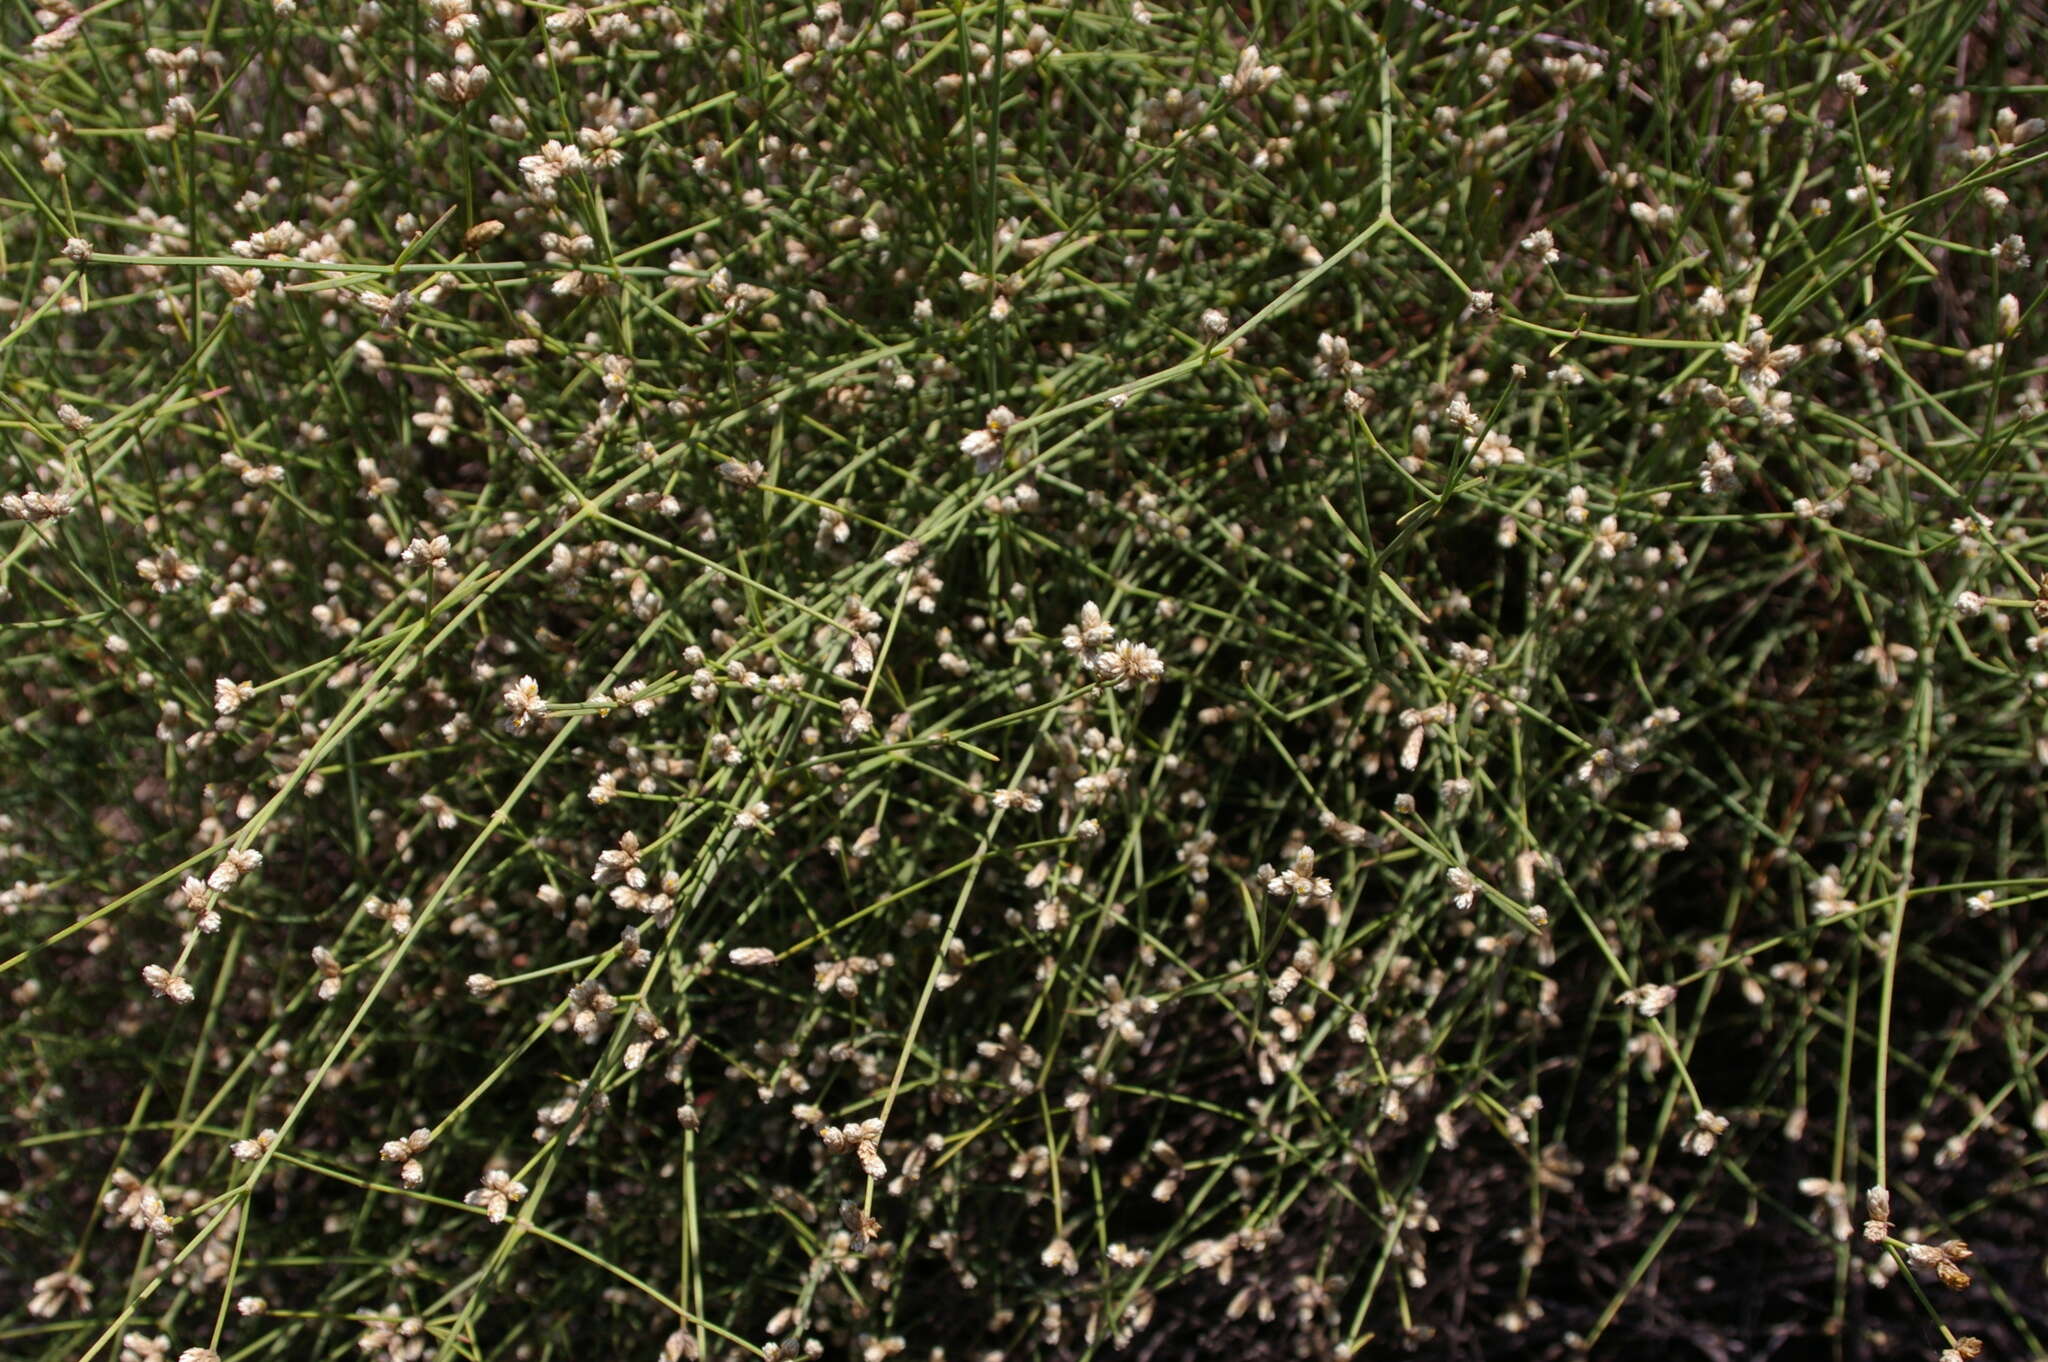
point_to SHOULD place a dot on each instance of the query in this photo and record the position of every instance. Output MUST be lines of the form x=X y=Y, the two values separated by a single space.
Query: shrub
x=709 y=680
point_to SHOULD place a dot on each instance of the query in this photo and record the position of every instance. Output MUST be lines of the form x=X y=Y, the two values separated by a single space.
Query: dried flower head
x=498 y=1194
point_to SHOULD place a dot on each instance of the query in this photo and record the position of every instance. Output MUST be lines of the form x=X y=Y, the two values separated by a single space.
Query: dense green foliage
x=1035 y=680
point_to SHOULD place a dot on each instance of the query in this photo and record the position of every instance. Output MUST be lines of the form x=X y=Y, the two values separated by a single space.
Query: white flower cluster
x=1117 y=662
